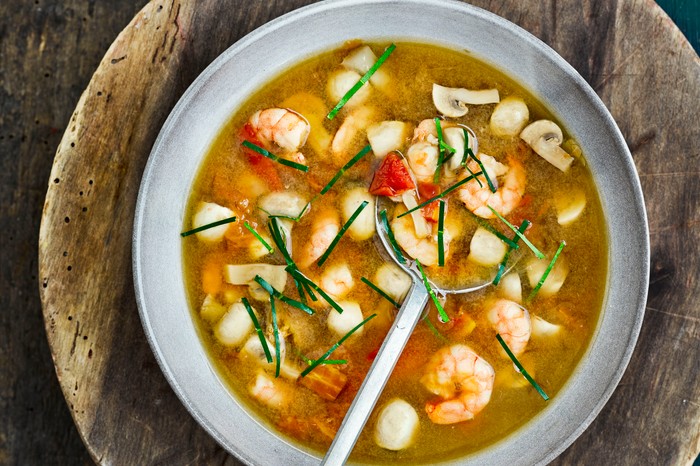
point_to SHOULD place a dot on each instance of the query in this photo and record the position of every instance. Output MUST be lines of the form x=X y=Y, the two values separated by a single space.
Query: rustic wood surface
x=629 y=51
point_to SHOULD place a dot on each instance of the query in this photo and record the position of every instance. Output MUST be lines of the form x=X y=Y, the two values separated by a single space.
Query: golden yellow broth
x=225 y=178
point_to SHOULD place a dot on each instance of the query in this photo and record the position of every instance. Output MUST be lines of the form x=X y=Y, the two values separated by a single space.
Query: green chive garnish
x=276 y=331
x=546 y=272
x=342 y=231
x=442 y=194
x=381 y=292
x=334 y=347
x=392 y=239
x=483 y=170
x=465 y=157
x=348 y=95
x=441 y=151
x=272 y=156
x=347 y=166
x=435 y=331
x=305 y=280
x=207 y=226
x=259 y=238
x=277 y=238
x=504 y=262
x=483 y=223
x=441 y=311
x=441 y=232
x=521 y=368
x=258 y=329
x=334 y=361
x=273 y=292
x=525 y=240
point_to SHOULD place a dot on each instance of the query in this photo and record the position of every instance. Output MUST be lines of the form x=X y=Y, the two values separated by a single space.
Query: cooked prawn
x=423 y=154
x=284 y=127
x=512 y=322
x=326 y=225
x=423 y=249
x=337 y=280
x=508 y=195
x=462 y=379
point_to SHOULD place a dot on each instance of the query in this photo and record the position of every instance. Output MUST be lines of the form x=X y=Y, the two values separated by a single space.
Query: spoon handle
x=361 y=407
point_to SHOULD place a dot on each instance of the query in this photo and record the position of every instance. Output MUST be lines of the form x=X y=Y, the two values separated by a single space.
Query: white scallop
x=397 y=425
x=234 y=326
x=343 y=323
x=362 y=227
x=210 y=212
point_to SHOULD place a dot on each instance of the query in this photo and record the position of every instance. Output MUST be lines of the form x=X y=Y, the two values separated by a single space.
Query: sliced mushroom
x=509 y=117
x=545 y=137
x=452 y=101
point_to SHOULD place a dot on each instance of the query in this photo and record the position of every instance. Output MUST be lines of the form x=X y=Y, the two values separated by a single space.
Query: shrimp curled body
x=462 y=379
x=423 y=249
x=324 y=229
x=508 y=195
x=512 y=322
x=283 y=127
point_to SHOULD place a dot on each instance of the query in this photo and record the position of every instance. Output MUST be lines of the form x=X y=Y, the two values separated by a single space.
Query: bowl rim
x=142 y=259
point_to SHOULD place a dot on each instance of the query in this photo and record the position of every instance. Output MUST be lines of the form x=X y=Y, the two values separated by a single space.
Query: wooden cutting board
x=628 y=50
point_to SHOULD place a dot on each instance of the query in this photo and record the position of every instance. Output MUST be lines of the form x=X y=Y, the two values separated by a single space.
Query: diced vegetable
x=569 y=205
x=252 y=185
x=509 y=117
x=212 y=279
x=326 y=381
x=361 y=60
x=393 y=281
x=234 y=326
x=210 y=212
x=211 y=309
x=363 y=227
x=397 y=425
x=537 y=267
x=392 y=178
x=542 y=328
x=343 y=323
x=387 y=136
x=486 y=248
x=511 y=288
x=341 y=82
x=244 y=274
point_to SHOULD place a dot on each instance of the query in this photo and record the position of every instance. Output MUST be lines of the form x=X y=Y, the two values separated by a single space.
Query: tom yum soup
x=474 y=184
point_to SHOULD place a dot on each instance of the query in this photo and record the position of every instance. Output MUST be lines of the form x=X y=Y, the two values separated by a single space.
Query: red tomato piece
x=392 y=177
x=431 y=212
x=263 y=167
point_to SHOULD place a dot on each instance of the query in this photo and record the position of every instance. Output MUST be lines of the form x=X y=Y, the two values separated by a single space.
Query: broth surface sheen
x=236 y=178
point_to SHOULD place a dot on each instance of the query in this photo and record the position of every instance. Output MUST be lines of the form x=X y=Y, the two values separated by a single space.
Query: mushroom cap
x=452 y=101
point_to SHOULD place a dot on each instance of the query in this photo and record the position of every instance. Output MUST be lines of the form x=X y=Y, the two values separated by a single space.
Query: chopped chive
x=504 y=262
x=546 y=272
x=483 y=170
x=260 y=238
x=434 y=330
x=273 y=292
x=207 y=226
x=442 y=194
x=304 y=279
x=525 y=240
x=348 y=95
x=441 y=311
x=258 y=329
x=275 y=158
x=334 y=347
x=441 y=232
x=441 y=151
x=483 y=223
x=448 y=148
x=392 y=239
x=342 y=231
x=347 y=166
x=334 y=361
x=465 y=157
x=307 y=288
x=304 y=358
x=276 y=331
x=274 y=228
x=521 y=368
x=381 y=292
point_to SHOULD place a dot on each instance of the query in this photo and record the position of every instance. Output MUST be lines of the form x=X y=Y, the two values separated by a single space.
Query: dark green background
x=686 y=14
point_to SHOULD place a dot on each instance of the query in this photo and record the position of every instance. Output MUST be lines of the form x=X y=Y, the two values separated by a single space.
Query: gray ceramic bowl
x=226 y=83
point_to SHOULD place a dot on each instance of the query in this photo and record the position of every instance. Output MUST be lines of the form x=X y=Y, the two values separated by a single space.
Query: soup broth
x=547 y=328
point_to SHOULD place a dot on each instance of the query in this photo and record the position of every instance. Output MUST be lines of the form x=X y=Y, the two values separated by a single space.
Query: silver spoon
x=406 y=320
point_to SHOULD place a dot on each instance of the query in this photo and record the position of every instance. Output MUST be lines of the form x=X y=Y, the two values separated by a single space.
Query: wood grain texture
x=121 y=403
